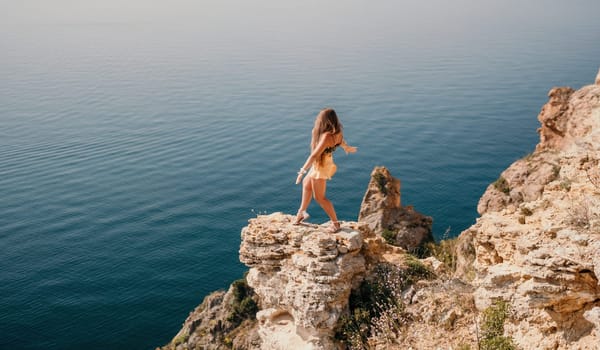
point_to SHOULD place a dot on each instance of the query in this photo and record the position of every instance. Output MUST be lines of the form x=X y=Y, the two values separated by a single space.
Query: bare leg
x=307 y=190
x=319 y=188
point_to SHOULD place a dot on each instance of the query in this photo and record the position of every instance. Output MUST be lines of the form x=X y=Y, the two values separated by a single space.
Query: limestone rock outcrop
x=303 y=276
x=382 y=211
x=300 y=276
x=569 y=128
x=537 y=243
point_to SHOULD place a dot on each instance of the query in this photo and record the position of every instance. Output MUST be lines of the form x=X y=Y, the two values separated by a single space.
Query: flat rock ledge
x=303 y=276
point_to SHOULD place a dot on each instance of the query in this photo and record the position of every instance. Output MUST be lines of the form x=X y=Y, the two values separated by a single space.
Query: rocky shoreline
x=524 y=276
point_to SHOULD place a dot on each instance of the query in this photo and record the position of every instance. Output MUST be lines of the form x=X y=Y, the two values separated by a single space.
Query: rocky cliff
x=537 y=242
x=524 y=276
x=301 y=277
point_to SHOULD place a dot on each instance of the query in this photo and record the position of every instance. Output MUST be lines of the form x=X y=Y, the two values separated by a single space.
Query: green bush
x=241 y=290
x=351 y=329
x=389 y=236
x=445 y=251
x=228 y=342
x=180 y=339
x=502 y=185
x=377 y=294
x=497 y=343
x=416 y=270
x=376 y=306
x=492 y=329
x=243 y=305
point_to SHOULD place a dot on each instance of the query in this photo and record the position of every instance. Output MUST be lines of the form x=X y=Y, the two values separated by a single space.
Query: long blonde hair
x=327 y=121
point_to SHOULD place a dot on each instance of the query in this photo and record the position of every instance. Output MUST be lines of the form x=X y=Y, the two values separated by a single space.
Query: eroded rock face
x=381 y=210
x=442 y=315
x=303 y=276
x=569 y=129
x=537 y=243
x=554 y=118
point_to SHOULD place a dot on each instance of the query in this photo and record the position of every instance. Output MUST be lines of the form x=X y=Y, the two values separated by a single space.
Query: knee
x=321 y=199
x=306 y=183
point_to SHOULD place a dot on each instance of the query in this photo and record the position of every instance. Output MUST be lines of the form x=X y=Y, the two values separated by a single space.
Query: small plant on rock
x=243 y=305
x=502 y=185
x=389 y=236
x=555 y=171
x=444 y=251
x=526 y=211
x=581 y=213
x=180 y=339
x=566 y=185
x=381 y=182
x=376 y=308
x=416 y=270
x=492 y=329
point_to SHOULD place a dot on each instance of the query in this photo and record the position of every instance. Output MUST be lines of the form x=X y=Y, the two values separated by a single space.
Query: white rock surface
x=303 y=276
x=537 y=243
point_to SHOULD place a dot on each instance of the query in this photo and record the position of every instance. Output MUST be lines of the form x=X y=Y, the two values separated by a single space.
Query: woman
x=327 y=135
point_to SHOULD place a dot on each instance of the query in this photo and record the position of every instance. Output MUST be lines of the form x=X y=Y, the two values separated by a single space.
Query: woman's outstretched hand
x=299 y=178
x=350 y=149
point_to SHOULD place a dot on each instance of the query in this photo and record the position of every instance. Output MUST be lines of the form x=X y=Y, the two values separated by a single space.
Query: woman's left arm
x=347 y=148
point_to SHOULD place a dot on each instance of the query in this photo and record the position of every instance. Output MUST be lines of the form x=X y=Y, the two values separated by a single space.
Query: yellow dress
x=327 y=168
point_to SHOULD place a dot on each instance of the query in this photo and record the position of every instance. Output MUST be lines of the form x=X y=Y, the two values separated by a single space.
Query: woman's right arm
x=313 y=156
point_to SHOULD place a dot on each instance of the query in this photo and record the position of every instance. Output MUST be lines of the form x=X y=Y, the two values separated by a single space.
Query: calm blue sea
x=137 y=138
